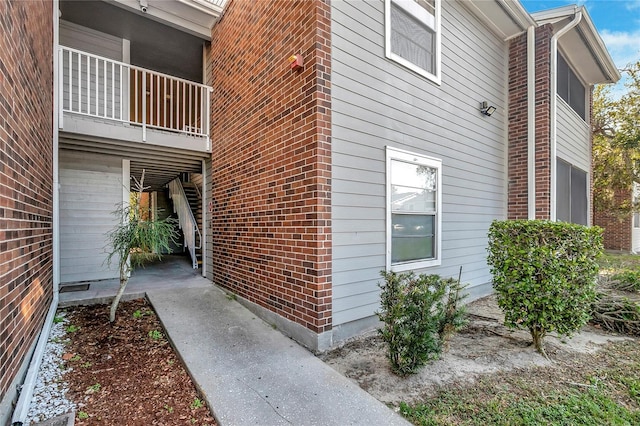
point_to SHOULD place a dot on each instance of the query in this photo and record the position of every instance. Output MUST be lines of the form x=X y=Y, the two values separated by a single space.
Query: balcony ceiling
x=154 y=45
x=194 y=16
x=161 y=165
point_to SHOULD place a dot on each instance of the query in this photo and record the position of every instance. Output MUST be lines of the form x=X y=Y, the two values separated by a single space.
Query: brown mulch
x=127 y=373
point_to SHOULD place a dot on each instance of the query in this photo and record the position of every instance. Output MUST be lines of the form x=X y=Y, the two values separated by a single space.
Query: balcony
x=103 y=98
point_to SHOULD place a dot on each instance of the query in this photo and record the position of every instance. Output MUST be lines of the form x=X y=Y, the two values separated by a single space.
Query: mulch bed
x=127 y=373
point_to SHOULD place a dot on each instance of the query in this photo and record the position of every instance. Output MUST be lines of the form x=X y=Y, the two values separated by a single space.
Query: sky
x=617 y=21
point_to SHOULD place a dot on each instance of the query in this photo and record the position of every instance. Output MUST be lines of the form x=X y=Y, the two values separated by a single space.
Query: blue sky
x=617 y=21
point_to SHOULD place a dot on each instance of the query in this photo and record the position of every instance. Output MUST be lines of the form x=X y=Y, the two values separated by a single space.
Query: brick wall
x=271 y=158
x=518 y=144
x=617 y=230
x=26 y=104
x=543 y=121
x=517 y=140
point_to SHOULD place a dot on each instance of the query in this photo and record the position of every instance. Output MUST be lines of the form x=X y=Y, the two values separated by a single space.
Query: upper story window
x=413 y=210
x=412 y=35
x=570 y=87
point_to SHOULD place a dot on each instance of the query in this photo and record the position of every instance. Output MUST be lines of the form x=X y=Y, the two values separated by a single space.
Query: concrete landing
x=251 y=374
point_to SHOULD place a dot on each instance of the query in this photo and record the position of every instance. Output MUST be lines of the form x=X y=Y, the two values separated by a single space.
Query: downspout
x=26 y=393
x=531 y=122
x=553 y=103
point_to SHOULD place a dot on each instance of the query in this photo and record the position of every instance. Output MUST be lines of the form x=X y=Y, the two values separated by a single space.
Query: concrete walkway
x=250 y=373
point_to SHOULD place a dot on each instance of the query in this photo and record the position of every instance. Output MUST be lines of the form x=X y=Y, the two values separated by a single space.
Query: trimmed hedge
x=544 y=274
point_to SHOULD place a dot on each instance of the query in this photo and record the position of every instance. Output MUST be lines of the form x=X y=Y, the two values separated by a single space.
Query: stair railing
x=186 y=220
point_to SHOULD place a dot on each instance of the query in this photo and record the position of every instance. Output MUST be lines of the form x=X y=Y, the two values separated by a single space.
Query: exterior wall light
x=487 y=109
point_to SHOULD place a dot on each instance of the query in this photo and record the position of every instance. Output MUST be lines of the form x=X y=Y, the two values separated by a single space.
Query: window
x=412 y=35
x=413 y=210
x=570 y=88
x=571 y=194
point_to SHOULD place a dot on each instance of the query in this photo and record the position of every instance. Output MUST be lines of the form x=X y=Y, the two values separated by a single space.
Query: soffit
x=193 y=16
x=505 y=18
x=582 y=46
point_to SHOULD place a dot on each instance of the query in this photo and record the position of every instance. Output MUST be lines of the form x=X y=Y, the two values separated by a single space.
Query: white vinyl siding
x=573 y=136
x=89 y=77
x=90 y=41
x=90 y=189
x=375 y=104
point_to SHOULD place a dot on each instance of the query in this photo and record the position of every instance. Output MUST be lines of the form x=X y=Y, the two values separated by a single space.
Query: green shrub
x=417 y=318
x=544 y=274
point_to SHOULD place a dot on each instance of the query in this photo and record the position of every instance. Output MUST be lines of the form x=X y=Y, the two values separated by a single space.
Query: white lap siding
x=90 y=190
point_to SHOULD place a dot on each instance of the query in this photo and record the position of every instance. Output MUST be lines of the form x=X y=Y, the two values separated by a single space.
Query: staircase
x=187 y=207
x=195 y=203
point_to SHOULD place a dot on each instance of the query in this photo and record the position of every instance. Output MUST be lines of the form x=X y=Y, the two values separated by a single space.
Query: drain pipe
x=553 y=103
x=26 y=393
x=531 y=122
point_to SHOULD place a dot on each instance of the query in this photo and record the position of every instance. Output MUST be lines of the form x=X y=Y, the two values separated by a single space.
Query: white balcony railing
x=99 y=87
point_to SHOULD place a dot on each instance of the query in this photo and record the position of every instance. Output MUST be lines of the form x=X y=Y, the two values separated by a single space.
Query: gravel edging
x=49 y=395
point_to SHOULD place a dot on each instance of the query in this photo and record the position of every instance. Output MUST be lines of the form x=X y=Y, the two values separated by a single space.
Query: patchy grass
x=593 y=389
x=611 y=263
x=596 y=389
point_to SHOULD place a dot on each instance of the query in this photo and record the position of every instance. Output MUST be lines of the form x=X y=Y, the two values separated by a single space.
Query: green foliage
x=94 y=388
x=544 y=274
x=82 y=415
x=593 y=407
x=136 y=240
x=58 y=319
x=196 y=404
x=71 y=328
x=155 y=334
x=616 y=144
x=417 y=318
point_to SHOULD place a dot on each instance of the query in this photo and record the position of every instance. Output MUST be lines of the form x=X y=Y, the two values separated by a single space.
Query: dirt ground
x=127 y=373
x=485 y=346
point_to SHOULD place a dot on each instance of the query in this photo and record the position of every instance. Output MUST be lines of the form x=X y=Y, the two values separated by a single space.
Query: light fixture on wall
x=487 y=109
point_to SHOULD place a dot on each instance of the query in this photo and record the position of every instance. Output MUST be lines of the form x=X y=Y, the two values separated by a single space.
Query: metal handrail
x=186 y=219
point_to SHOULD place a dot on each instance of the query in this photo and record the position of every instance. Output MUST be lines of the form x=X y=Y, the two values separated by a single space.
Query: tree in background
x=616 y=144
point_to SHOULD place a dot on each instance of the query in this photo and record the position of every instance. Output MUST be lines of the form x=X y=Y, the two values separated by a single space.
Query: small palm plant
x=136 y=239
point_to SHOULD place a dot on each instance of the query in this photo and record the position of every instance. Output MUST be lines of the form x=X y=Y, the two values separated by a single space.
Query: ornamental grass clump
x=544 y=274
x=420 y=313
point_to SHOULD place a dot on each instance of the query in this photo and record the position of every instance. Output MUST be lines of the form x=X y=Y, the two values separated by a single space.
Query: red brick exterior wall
x=543 y=121
x=26 y=106
x=271 y=138
x=517 y=141
x=617 y=230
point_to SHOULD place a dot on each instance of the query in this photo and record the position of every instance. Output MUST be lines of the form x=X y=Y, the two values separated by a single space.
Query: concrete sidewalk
x=251 y=374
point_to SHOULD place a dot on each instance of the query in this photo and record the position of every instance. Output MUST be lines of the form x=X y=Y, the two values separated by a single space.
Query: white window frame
x=418 y=12
x=421 y=160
